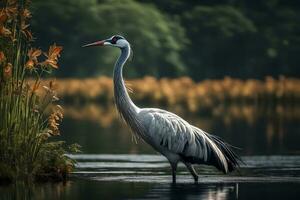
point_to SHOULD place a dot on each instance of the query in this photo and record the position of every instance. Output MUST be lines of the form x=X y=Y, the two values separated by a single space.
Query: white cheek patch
x=122 y=43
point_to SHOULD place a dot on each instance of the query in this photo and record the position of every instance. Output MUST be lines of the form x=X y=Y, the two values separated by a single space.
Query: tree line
x=198 y=38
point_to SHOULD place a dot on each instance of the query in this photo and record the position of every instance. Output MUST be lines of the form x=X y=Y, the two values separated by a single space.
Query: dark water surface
x=113 y=176
x=273 y=130
x=112 y=166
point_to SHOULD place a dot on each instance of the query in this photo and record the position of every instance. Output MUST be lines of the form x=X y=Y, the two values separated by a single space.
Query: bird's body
x=166 y=132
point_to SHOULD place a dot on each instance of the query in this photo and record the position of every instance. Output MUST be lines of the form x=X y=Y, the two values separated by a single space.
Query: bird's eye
x=114 y=40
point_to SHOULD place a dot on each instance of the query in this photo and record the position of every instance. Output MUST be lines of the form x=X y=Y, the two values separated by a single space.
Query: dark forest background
x=201 y=39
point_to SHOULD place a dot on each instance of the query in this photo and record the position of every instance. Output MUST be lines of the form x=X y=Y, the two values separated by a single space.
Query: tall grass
x=25 y=152
x=185 y=93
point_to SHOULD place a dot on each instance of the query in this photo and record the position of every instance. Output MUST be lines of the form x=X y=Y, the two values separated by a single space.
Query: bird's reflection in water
x=32 y=191
x=191 y=192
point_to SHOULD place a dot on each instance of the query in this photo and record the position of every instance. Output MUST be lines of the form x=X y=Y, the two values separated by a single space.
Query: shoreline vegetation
x=183 y=92
x=27 y=151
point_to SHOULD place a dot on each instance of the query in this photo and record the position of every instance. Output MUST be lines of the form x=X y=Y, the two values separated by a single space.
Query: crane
x=166 y=132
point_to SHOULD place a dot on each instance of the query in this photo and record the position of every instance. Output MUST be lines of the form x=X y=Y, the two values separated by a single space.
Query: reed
x=26 y=153
x=184 y=92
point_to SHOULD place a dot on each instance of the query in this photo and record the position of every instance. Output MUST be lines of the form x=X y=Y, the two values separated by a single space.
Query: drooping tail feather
x=211 y=150
x=231 y=157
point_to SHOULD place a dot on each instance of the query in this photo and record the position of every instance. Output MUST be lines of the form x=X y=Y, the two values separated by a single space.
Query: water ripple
x=155 y=168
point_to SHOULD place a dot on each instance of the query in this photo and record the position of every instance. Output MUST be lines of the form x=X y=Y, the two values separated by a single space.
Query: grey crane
x=166 y=132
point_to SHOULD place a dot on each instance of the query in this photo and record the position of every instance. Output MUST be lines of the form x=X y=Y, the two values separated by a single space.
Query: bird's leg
x=174 y=168
x=190 y=167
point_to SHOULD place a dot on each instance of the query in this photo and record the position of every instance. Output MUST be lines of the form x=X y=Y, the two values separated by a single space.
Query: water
x=270 y=130
x=114 y=167
x=127 y=176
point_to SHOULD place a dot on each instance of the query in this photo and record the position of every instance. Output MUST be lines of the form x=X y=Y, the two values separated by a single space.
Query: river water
x=114 y=166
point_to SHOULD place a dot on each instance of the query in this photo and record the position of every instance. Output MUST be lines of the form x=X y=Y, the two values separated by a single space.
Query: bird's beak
x=98 y=43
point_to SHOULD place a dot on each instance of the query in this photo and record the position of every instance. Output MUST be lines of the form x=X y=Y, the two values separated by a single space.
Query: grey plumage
x=166 y=132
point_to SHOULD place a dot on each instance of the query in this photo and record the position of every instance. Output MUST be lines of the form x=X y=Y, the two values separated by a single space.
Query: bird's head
x=115 y=41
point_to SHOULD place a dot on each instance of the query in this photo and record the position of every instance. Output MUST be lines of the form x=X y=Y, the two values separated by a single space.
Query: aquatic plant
x=26 y=153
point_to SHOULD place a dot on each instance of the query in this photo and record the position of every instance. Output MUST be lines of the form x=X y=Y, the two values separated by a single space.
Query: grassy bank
x=184 y=92
x=26 y=150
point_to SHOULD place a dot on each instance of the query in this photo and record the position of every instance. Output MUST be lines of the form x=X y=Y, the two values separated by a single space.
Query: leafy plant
x=25 y=151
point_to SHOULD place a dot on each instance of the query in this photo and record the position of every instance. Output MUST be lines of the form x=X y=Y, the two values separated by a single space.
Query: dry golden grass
x=184 y=92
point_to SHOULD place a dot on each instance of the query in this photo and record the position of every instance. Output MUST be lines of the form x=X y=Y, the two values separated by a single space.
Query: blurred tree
x=217 y=36
x=204 y=38
x=277 y=41
x=69 y=23
x=154 y=36
x=270 y=50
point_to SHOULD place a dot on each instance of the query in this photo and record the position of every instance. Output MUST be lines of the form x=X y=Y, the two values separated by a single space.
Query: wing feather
x=169 y=131
x=177 y=135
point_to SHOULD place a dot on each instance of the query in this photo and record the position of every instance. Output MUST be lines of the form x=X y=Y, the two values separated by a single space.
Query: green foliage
x=203 y=39
x=218 y=21
x=25 y=152
x=221 y=27
x=54 y=163
x=277 y=42
x=153 y=35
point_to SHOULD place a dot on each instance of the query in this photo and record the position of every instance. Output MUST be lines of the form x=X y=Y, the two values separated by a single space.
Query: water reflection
x=88 y=190
x=83 y=189
x=109 y=170
x=23 y=191
x=128 y=177
x=256 y=129
x=191 y=192
x=105 y=115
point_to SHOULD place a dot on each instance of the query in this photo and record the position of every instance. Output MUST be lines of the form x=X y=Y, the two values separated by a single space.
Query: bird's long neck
x=125 y=106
